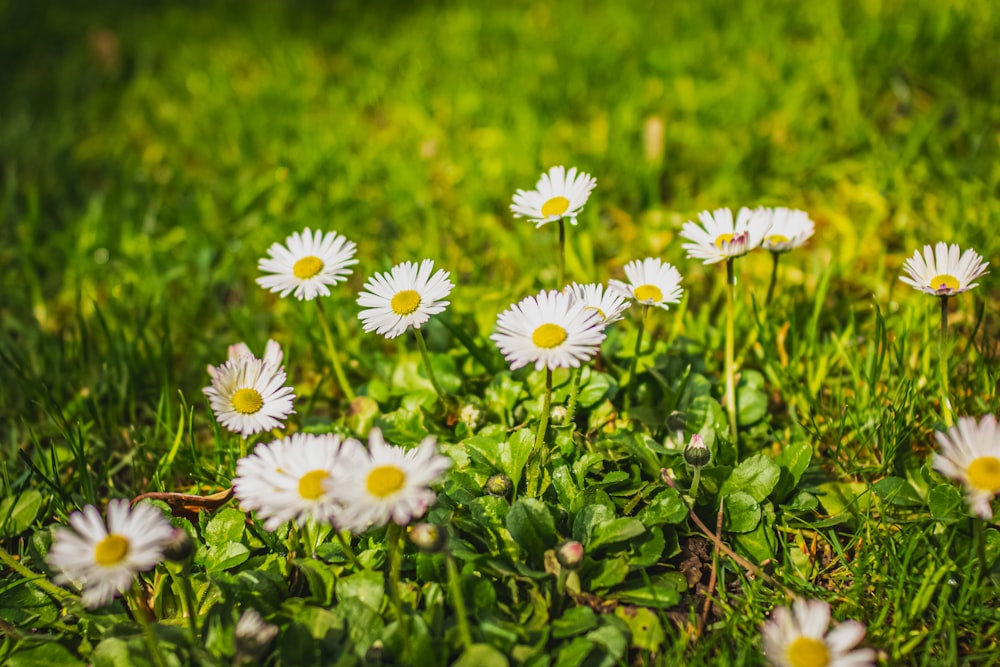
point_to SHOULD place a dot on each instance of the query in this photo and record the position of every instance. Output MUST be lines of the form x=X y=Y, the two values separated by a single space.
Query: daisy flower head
x=970 y=453
x=285 y=480
x=558 y=194
x=942 y=271
x=799 y=638
x=790 y=228
x=307 y=264
x=405 y=297
x=272 y=354
x=550 y=330
x=609 y=303
x=104 y=558
x=385 y=482
x=719 y=237
x=247 y=394
x=651 y=283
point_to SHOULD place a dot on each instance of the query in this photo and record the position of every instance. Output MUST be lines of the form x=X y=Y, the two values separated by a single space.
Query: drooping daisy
x=307 y=264
x=104 y=558
x=719 y=237
x=284 y=481
x=405 y=297
x=549 y=330
x=970 y=453
x=248 y=395
x=790 y=228
x=558 y=194
x=385 y=482
x=609 y=303
x=799 y=638
x=941 y=271
x=651 y=283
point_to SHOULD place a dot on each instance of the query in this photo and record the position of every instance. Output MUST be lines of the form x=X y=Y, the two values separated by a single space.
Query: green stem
x=331 y=349
x=141 y=615
x=694 y=485
x=345 y=544
x=979 y=528
x=540 y=453
x=455 y=586
x=943 y=362
x=573 y=394
x=392 y=535
x=36 y=579
x=561 y=255
x=774 y=278
x=635 y=356
x=730 y=344
x=422 y=344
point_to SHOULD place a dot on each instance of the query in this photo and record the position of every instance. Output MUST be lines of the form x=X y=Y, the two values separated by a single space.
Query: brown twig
x=188 y=505
x=714 y=576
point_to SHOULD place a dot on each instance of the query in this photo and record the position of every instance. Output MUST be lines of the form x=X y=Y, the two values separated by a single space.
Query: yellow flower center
x=405 y=302
x=247 y=401
x=944 y=282
x=548 y=336
x=808 y=652
x=723 y=239
x=307 y=267
x=111 y=550
x=775 y=239
x=311 y=484
x=385 y=481
x=555 y=206
x=984 y=473
x=599 y=311
x=648 y=293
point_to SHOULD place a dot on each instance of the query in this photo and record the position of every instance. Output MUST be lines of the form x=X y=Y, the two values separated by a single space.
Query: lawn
x=152 y=154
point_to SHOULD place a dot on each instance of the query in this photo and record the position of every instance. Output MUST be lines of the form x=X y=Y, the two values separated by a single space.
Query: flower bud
x=179 y=547
x=253 y=634
x=696 y=453
x=469 y=415
x=676 y=421
x=428 y=537
x=558 y=414
x=499 y=485
x=570 y=554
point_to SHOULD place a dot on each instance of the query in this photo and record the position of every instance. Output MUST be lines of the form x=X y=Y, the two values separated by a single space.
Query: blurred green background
x=152 y=151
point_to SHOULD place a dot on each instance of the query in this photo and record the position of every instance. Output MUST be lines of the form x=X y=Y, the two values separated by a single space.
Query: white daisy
x=970 y=453
x=405 y=297
x=103 y=558
x=720 y=238
x=558 y=194
x=284 y=480
x=307 y=264
x=942 y=271
x=385 y=482
x=549 y=330
x=609 y=303
x=790 y=228
x=799 y=638
x=272 y=354
x=247 y=394
x=651 y=283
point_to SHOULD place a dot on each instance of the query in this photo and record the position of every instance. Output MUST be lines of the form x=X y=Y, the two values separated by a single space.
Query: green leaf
x=614 y=531
x=793 y=461
x=47 y=655
x=575 y=653
x=587 y=518
x=226 y=526
x=897 y=491
x=22 y=603
x=18 y=512
x=115 y=652
x=757 y=476
x=759 y=543
x=647 y=632
x=649 y=548
x=321 y=578
x=574 y=621
x=944 y=500
x=613 y=640
x=366 y=587
x=742 y=512
x=751 y=398
x=667 y=507
x=481 y=655
x=609 y=572
x=515 y=452
x=402 y=426
x=225 y=556
x=532 y=527
x=599 y=386
x=662 y=592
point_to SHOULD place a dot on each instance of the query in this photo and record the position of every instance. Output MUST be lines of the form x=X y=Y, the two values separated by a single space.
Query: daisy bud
x=570 y=554
x=676 y=421
x=179 y=547
x=499 y=485
x=253 y=635
x=558 y=414
x=428 y=537
x=469 y=415
x=696 y=454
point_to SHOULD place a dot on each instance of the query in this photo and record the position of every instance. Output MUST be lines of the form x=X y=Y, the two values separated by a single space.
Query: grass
x=151 y=155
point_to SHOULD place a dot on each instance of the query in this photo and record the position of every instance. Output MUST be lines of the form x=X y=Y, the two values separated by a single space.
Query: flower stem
x=943 y=362
x=635 y=356
x=573 y=393
x=979 y=528
x=730 y=343
x=422 y=344
x=392 y=535
x=561 y=255
x=141 y=615
x=36 y=579
x=345 y=544
x=181 y=575
x=455 y=586
x=540 y=453
x=774 y=278
x=693 y=492
x=331 y=349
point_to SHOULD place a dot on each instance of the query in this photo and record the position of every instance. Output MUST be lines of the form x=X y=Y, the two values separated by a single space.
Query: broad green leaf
x=614 y=531
x=944 y=501
x=793 y=461
x=647 y=632
x=661 y=592
x=22 y=603
x=48 y=654
x=609 y=572
x=575 y=621
x=225 y=556
x=742 y=512
x=757 y=476
x=531 y=526
x=226 y=526
x=897 y=491
x=481 y=655
x=666 y=507
x=575 y=653
x=402 y=426
x=648 y=548
x=321 y=579
x=598 y=387
x=760 y=543
x=751 y=398
x=587 y=518
x=515 y=452
x=366 y=587
x=613 y=640
x=18 y=512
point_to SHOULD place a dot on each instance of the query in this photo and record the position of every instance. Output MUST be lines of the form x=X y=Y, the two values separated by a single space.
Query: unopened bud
x=570 y=554
x=253 y=634
x=499 y=485
x=428 y=537
x=179 y=547
x=469 y=415
x=696 y=453
x=676 y=421
x=558 y=414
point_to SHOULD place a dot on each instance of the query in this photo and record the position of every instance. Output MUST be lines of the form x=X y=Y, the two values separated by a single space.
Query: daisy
x=720 y=238
x=272 y=353
x=607 y=302
x=307 y=264
x=942 y=272
x=558 y=194
x=550 y=330
x=385 y=482
x=405 y=297
x=790 y=228
x=799 y=638
x=104 y=558
x=285 y=480
x=651 y=283
x=970 y=453
x=247 y=394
